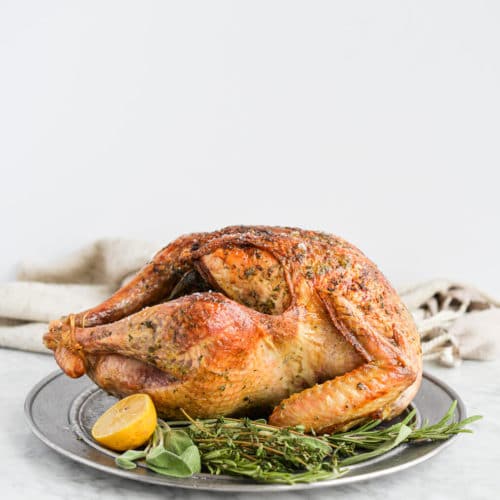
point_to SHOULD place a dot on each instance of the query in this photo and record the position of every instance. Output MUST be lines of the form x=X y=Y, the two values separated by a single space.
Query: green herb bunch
x=169 y=451
x=263 y=452
x=257 y=450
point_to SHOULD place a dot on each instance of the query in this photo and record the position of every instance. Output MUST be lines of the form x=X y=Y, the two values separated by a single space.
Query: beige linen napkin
x=455 y=321
x=45 y=292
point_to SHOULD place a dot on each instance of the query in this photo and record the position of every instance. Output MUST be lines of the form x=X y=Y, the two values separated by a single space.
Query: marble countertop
x=468 y=469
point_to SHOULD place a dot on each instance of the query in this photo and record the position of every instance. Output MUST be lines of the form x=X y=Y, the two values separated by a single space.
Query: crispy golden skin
x=248 y=319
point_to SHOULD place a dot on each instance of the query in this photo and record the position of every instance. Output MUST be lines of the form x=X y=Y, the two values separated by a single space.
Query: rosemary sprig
x=255 y=449
x=375 y=438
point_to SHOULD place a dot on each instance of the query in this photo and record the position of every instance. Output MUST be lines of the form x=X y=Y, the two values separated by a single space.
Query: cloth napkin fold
x=83 y=279
x=455 y=321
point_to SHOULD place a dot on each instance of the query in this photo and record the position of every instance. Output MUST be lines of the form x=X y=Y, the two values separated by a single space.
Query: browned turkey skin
x=249 y=319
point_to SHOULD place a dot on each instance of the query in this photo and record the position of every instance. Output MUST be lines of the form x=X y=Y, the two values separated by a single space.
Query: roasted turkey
x=252 y=320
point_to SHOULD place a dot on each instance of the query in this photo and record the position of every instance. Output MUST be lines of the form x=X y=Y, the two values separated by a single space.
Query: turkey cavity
x=191 y=282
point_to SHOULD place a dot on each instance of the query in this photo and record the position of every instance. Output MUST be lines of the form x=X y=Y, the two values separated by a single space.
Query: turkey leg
x=372 y=390
x=153 y=282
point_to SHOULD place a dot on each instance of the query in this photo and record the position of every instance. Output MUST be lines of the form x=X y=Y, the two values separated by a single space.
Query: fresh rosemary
x=265 y=453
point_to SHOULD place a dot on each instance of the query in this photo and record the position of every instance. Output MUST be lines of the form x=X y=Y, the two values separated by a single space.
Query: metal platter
x=61 y=412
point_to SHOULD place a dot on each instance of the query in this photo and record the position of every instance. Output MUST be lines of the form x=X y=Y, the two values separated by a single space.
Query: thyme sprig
x=263 y=452
x=255 y=449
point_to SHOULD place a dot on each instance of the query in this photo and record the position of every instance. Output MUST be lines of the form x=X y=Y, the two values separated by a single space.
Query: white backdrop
x=378 y=121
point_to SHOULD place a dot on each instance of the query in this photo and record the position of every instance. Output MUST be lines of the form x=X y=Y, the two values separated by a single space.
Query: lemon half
x=128 y=424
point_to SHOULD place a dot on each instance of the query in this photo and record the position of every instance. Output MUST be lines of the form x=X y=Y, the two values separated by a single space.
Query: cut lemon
x=127 y=424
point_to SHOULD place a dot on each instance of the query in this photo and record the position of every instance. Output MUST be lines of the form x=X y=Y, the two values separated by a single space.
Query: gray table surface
x=470 y=468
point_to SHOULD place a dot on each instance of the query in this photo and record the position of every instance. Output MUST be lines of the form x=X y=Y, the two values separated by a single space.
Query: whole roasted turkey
x=247 y=319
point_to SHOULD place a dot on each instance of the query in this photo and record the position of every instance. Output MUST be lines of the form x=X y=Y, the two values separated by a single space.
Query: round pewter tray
x=61 y=412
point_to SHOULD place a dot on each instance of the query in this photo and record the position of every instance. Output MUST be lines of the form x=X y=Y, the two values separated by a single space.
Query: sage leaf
x=133 y=455
x=126 y=460
x=177 y=441
x=125 y=464
x=175 y=454
x=191 y=457
x=179 y=471
x=165 y=462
